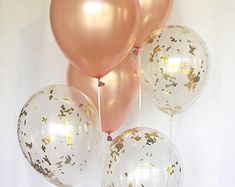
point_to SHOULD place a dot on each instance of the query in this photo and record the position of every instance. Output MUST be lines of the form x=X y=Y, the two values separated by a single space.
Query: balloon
x=142 y=157
x=96 y=35
x=153 y=14
x=174 y=68
x=116 y=104
x=57 y=137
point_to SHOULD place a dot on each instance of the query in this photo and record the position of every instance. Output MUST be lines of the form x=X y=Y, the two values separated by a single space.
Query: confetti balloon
x=142 y=157
x=58 y=138
x=174 y=68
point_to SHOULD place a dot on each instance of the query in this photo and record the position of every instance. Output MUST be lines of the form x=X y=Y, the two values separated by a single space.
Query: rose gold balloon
x=153 y=14
x=96 y=35
x=117 y=96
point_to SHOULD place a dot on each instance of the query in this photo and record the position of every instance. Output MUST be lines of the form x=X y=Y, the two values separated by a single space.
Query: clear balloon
x=142 y=157
x=57 y=137
x=96 y=35
x=153 y=14
x=115 y=103
x=174 y=68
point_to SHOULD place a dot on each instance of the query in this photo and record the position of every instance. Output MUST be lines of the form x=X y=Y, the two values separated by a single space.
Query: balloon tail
x=100 y=83
x=109 y=138
x=136 y=51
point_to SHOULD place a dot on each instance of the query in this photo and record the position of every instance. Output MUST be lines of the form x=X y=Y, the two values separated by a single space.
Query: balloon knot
x=136 y=51
x=109 y=138
x=100 y=83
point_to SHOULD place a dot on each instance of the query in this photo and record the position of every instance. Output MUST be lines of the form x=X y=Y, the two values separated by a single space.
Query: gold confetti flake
x=151 y=137
x=69 y=138
x=136 y=138
x=156 y=50
x=173 y=39
x=117 y=147
x=44 y=120
x=192 y=50
x=43 y=147
x=168 y=48
x=23 y=113
x=193 y=80
x=59 y=164
x=46 y=160
x=68 y=159
x=171 y=169
x=130 y=185
x=66 y=100
x=65 y=111
x=29 y=145
x=47 y=140
x=202 y=64
x=164 y=59
x=150 y=39
x=184 y=68
x=168 y=92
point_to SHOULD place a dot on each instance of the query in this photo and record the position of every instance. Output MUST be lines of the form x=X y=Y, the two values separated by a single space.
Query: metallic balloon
x=96 y=35
x=58 y=138
x=174 y=68
x=142 y=157
x=153 y=14
x=115 y=103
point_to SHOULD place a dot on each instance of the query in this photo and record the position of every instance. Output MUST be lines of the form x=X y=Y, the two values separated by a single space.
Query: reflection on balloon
x=174 y=68
x=95 y=35
x=142 y=157
x=115 y=103
x=154 y=14
x=56 y=136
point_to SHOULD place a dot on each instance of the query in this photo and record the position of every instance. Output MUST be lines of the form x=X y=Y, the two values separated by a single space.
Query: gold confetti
x=43 y=147
x=164 y=59
x=44 y=120
x=48 y=140
x=193 y=80
x=29 y=145
x=151 y=137
x=150 y=39
x=130 y=185
x=68 y=159
x=171 y=169
x=156 y=50
x=192 y=49
x=69 y=138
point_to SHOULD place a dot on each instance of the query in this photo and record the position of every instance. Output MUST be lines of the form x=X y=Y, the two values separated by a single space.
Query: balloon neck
x=172 y=118
x=109 y=138
x=100 y=83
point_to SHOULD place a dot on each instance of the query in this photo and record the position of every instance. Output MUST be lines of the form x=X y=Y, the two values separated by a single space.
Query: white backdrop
x=204 y=134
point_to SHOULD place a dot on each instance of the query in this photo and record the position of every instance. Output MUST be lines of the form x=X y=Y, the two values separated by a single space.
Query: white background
x=204 y=134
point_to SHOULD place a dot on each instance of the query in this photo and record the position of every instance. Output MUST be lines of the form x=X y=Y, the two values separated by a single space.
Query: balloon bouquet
x=59 y=128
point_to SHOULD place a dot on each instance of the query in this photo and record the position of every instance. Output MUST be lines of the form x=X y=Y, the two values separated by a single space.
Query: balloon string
x=138 y=52
x=99 y=105
x=172 y=120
